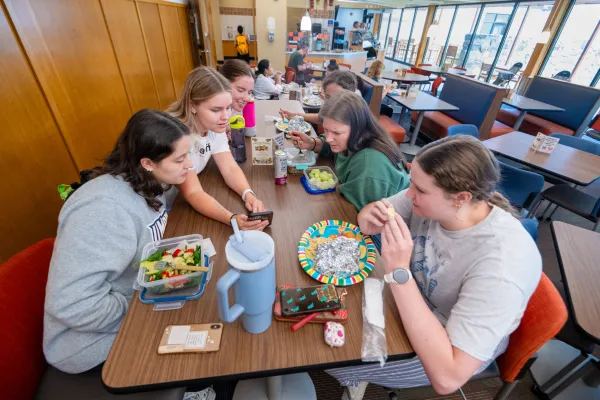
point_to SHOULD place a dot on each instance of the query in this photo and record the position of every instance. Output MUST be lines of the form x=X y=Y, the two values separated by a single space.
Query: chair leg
x=505 y=390
x=533 y=208
x=577 y=361
x=584 y=370
x=552 y=213
x=546 y=210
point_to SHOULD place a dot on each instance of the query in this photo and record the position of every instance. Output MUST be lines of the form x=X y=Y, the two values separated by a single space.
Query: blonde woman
x=204 y=107
x=374 y=72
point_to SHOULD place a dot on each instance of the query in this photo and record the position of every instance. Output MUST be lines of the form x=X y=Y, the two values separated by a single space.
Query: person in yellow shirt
x=242 y=45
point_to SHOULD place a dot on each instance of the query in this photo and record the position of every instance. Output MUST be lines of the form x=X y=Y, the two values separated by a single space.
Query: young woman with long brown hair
x=103 y=227
x=204 y=107
x=460 y=266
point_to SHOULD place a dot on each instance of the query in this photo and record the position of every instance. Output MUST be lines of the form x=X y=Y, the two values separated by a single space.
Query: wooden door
x=202 y=32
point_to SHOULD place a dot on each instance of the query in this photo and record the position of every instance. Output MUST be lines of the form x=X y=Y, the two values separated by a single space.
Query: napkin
x=272 y=118
x=250 y=247
x=374 y=302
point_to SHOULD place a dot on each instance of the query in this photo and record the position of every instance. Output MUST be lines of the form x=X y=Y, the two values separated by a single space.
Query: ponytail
x=502 y=202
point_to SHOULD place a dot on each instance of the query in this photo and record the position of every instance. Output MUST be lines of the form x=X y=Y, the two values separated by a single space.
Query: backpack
x=242 y=45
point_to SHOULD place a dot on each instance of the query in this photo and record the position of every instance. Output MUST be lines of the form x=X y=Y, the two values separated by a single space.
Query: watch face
x=400 y=275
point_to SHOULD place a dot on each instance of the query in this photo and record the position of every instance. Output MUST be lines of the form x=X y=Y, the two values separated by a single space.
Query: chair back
x=588 y=146
x=519 y=186
x=531 y=225
x=290 y=75
x=563 y=75
x=22 y=359
x=372 y=92
x=463 y=129
x=436 y=85
x=345 y=65
x=421 y=72
x=543 y=318
x=595 y=125
x=516 y=68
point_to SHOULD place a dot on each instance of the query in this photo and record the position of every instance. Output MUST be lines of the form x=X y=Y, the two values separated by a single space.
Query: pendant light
x=433 y=30
x=306 y=23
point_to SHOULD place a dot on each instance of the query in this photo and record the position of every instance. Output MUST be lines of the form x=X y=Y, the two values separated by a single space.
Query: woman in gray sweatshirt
x=102 y=230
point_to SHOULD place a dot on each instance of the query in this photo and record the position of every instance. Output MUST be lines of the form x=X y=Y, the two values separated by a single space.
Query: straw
x=236 y=231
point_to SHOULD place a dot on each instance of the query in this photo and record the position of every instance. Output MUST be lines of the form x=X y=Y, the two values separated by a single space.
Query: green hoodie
x=366 y=176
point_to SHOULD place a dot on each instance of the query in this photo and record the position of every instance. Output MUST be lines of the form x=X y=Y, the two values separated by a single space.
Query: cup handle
x=225 y=283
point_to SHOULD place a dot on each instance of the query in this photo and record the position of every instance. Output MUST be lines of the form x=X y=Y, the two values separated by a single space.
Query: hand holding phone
x=261 y=216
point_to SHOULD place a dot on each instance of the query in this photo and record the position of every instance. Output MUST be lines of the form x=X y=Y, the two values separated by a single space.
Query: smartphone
x=306 y=300
x=261 y=216
x=194 y=338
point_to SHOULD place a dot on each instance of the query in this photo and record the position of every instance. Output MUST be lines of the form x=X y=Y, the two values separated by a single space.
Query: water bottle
x=238 y=142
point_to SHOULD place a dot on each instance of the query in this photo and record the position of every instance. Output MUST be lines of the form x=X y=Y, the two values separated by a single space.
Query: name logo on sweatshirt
x=157 y=227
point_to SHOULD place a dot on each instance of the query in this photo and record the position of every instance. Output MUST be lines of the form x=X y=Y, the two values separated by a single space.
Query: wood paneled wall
x=72 y=73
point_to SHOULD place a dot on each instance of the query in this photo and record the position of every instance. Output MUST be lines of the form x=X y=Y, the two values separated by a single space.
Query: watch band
x=245 y=192
x=389 y=278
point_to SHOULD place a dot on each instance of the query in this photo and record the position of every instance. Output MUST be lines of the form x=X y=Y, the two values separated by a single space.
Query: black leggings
x=386 y=110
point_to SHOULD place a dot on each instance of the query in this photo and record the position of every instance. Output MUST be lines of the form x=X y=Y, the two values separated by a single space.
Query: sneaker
x=206 y=394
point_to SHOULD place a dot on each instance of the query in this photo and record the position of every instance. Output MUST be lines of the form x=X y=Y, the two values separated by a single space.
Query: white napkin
x=374 y=302
x=272 y=118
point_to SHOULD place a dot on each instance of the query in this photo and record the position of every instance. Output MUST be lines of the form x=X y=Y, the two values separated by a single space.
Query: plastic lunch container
x=177 y=282
x=314 y=187
x=295 y=168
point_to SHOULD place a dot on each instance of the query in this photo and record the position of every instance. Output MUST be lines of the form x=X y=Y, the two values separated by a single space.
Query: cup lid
x=240 y=262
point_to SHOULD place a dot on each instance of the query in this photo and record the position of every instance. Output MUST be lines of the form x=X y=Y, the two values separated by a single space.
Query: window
x=405 y=45
x=393 y=32
x=576 y=52
x=464 y=25
x=435 y=45
x=486 y=41
x=523 y=34
x=383 y=28
x=417 y=33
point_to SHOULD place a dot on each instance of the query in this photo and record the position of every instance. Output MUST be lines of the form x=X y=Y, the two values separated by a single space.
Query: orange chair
x=290 y=75
x=424 y=65
x=397 y=132
x=544 y=317
x=436 y=84
x=345 y=65
x=460 y=69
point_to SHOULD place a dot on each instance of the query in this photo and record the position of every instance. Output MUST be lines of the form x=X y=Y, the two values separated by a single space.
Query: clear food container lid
x=293 y=152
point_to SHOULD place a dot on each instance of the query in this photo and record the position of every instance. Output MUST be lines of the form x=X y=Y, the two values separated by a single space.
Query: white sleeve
x=402 y=204
x=270 y=87
x=219 y=143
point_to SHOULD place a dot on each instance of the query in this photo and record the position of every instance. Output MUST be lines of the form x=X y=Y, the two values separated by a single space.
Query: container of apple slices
x=320 y=180
x=172 y=264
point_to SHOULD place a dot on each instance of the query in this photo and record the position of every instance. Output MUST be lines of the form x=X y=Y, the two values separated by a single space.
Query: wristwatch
x=246 y=192
x=399 y=276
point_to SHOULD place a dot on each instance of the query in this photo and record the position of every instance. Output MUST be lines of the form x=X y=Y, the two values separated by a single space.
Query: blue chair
x=578 y=143
x=520 y=187
x=463 y=129
x=531 y=226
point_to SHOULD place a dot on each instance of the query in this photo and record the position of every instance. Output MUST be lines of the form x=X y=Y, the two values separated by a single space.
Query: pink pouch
x=334 y=334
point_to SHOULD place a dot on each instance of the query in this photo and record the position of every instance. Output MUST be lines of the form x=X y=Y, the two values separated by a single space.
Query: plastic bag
x=374 y=343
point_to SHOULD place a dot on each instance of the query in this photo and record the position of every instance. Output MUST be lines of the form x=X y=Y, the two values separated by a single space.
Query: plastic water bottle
x=238 y=141
x=249 y=114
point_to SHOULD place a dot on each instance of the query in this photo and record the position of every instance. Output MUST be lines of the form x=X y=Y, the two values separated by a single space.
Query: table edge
x=539 y=169
x=570 y=307
x=244 y=376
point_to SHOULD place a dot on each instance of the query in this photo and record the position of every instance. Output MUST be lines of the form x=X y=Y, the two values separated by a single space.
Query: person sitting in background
x=204 y=107
x=368 y=163
x=265 y=88
x=333 y=84
x=296 y=62
x=242 y=45
x=374 y=72
x=461 y=268
x=332 y=66
x=102 y=230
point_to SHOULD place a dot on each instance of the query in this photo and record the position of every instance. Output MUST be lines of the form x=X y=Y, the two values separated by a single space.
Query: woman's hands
x=373 y=217
x=245 y=225
x=302 y=141
x=396 y=244
x=287 y=115
x=253 y=204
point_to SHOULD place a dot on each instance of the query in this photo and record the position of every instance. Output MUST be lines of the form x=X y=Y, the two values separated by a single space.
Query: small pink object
x=249 y=114
x=334 y=334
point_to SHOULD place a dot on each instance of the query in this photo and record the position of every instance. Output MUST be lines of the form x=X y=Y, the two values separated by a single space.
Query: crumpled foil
x=338 y=258
x=297 y=124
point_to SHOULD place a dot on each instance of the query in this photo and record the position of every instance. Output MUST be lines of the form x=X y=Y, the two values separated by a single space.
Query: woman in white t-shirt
x=460 y=266
x=267 y=83
x=204 y=106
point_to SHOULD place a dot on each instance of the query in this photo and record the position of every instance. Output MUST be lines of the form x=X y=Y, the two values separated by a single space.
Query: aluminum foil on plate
x=339 y=258
x=297 y=124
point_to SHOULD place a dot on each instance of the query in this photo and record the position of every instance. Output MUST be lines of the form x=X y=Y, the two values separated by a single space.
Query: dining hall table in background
x=134 y=364
x=525 y=104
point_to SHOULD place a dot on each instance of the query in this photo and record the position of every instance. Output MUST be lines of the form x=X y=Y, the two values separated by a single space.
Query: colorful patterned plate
x=331 y=229
x=283 y=126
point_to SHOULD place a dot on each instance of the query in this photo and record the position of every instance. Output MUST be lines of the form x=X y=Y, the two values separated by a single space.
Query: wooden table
x=578 y=252
x=134 y=364
x=525 y=104
x=408 y=78
x=564 y=162
x=421 y=103
x=320 y=68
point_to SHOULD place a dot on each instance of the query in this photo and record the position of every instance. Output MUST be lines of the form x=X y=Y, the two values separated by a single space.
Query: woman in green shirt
x=368 y=163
